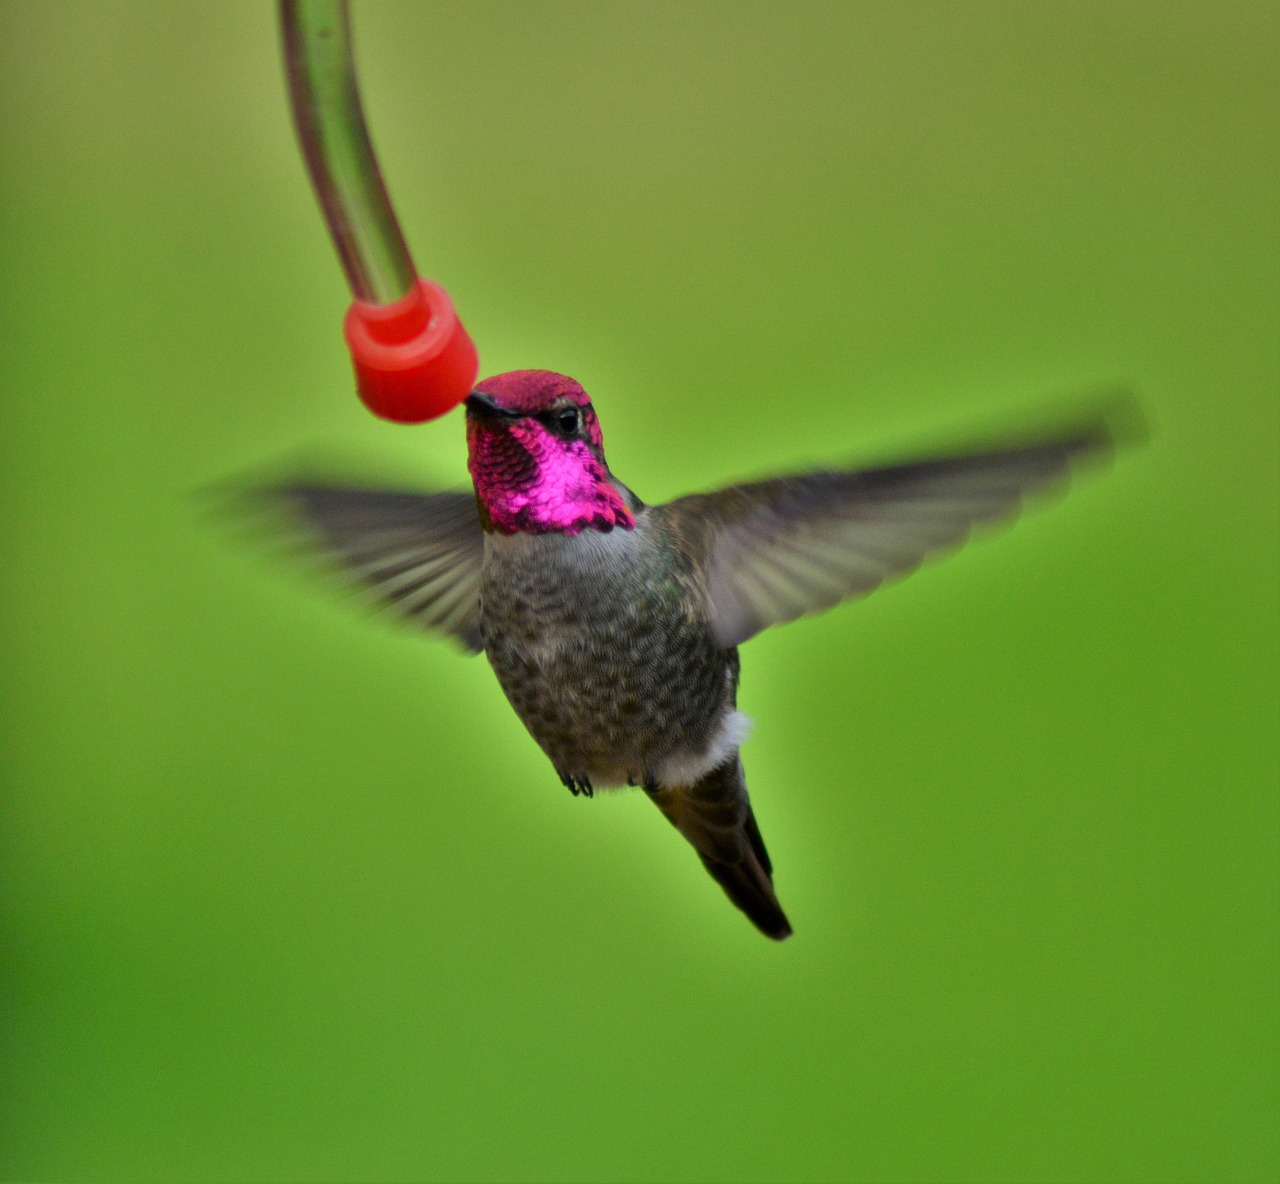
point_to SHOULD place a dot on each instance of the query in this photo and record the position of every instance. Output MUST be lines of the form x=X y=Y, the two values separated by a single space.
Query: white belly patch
x=684 y=768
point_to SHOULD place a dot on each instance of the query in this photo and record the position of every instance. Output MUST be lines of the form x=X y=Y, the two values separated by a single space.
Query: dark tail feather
x=714 y=814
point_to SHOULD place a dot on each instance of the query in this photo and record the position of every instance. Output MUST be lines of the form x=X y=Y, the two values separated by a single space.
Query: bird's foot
x=577 y=785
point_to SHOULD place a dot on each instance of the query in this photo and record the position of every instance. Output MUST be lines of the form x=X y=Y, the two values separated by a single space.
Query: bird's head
x=536 y=456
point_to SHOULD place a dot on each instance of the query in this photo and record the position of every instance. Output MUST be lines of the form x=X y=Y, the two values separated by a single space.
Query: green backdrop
x=287 y=895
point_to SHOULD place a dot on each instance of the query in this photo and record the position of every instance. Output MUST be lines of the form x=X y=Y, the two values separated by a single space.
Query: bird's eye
x=567 y=422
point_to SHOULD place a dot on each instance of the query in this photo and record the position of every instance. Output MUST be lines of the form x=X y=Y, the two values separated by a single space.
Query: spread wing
x=776 y=550
x=418 y=555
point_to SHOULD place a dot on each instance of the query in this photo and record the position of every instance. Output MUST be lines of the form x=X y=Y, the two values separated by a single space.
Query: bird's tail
x=714 y=814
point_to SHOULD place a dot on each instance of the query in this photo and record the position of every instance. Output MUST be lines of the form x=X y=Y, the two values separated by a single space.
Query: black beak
x=482 y=406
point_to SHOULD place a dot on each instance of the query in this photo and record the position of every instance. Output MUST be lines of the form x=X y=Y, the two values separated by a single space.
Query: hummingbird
x=612 y=625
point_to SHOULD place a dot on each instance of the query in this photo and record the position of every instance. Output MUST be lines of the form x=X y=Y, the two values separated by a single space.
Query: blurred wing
x=419 y=555
x=776 y=550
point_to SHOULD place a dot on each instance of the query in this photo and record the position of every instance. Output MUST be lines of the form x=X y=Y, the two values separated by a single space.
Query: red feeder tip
x=413 y=359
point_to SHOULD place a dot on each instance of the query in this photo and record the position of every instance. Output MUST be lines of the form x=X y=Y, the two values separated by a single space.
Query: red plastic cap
x=413 y=359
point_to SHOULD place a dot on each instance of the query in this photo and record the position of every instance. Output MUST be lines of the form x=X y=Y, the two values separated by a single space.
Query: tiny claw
x=577 y=785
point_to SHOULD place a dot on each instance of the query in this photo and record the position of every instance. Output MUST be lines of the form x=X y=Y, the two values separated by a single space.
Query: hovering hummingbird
x=613 y=626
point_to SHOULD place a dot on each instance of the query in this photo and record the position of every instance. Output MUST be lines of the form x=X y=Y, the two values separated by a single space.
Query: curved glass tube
x=335 y=144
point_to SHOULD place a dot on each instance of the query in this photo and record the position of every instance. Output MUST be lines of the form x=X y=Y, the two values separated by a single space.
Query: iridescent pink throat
x=528 y=481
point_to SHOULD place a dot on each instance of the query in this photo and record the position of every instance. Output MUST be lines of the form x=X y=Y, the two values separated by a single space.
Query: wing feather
x=415 y=556
x=777 y=550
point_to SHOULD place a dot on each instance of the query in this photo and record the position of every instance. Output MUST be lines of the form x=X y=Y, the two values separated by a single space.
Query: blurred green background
x=289 y=896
